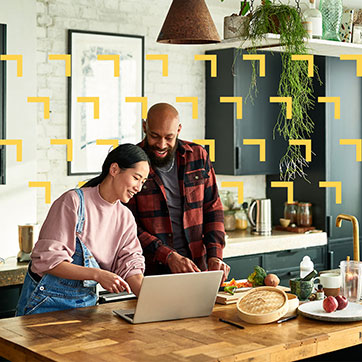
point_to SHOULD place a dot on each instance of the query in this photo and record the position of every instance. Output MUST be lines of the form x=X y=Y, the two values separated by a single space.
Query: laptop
x=174 y=296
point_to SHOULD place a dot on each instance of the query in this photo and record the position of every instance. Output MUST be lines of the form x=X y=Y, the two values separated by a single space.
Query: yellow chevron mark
x=81 y=183
x=163 y=58
x=209 y=57
x=142 y=100
x=113 y=143
x=66 y=58
x=46 y=185
x=337 y=104
x=192 y=100
x=94 y=100
x=308 y=147
x=290 y=188
x=258 y=142
x=19 y=62
x=309 y=58
x=239 y=185
x=354 y=142
x=357 y=58
x=258 y=57
x=211 y=144
x=337 y=185
x=19 y=147
x=115 y=58
x=287 y=100
x=68 y=143
x=239 y=104
x=45 y=100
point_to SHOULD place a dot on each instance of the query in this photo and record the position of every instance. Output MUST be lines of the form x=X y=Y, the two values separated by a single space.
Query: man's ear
x=144 y=126
x=179 y=129
x=114 y=169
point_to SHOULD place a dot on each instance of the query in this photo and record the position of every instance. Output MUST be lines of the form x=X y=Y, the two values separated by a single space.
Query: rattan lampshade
x=188 y=22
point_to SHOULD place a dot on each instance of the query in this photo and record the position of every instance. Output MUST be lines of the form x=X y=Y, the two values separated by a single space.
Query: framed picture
x=98 y=78
x=2 y=104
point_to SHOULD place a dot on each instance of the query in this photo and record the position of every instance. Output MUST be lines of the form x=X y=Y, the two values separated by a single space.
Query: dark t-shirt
x=168 y=175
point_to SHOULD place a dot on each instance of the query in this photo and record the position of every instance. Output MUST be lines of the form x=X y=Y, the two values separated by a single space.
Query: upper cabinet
x=223 y=123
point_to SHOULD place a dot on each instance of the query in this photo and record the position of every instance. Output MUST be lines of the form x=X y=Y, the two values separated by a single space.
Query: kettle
x=262 y=224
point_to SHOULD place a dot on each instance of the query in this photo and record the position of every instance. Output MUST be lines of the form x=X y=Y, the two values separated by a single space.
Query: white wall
x=17 y=200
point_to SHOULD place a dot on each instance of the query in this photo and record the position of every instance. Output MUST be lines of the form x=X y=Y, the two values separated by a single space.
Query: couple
x=90 y=237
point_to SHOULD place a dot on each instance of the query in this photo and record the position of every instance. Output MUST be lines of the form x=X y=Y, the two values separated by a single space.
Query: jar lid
x=291 y=203
x=305 y=204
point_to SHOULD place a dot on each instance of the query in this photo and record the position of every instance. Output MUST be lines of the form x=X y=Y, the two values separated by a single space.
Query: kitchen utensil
x=314 y=310
x=287 y=319
x=302 y=289
x=351 y=278
x=262 y=224
x=262 y=305
x=231 y=323
x=293 y=304
x=310 y=275
x=28 y=235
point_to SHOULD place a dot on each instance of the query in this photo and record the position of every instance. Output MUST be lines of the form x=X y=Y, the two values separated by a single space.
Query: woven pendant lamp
x=188 y=22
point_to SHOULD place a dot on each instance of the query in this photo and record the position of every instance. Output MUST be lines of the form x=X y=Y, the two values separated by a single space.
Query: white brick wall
x=186 y=76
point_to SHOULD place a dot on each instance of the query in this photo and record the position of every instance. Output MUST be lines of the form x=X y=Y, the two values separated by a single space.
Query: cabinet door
x=341 y=81
x=242 y=266
x=232 y=157
x=9 y=296
x=340 y=252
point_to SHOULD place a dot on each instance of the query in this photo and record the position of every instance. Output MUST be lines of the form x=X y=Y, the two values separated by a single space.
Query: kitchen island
x=96 y=334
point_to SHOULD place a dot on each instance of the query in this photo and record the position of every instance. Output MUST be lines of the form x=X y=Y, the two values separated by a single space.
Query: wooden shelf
x=315 y=46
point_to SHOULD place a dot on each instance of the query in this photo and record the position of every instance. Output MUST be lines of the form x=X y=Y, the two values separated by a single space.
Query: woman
x=89 y=237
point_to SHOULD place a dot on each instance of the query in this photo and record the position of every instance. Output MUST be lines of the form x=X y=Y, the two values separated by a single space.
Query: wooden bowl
x=293 y=304
x=262 y=305
x=284 y=222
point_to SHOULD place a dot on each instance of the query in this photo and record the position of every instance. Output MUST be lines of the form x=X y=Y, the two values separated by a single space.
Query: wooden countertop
x=243 y=242
x=12 y=272
x=96 y=334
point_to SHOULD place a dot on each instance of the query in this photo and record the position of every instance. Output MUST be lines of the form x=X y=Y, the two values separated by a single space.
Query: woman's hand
x=111 y=282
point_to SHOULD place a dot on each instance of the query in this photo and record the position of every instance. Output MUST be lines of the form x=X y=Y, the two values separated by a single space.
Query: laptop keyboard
x=130 y=315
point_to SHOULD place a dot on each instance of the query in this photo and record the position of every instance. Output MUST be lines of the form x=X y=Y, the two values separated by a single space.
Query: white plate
x=314 y=310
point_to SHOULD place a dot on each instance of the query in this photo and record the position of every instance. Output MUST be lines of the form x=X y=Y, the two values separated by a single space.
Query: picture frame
x=2 y=105
x=92 y=77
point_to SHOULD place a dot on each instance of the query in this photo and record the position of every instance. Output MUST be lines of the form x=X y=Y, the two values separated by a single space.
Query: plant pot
x=235 y=26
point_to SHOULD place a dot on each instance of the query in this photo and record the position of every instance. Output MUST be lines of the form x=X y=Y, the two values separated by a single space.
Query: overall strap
x=80 y=223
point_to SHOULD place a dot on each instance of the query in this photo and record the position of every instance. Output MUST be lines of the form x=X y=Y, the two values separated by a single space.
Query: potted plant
x=235 y=25
x=285 y=20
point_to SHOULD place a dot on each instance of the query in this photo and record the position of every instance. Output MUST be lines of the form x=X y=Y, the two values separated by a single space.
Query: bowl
x=293 y=304
x=284 y=222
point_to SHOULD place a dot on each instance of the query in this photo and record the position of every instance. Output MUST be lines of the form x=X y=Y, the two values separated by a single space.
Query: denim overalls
x=52 y=293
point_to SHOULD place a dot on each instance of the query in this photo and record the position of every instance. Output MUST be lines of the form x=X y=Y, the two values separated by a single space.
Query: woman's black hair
x=125 y=156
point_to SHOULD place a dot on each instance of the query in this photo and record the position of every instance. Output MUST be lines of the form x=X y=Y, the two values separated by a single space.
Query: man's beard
x=157 y=161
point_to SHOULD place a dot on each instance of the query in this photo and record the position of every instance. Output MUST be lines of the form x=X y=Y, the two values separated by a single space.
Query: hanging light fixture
x=188 y=22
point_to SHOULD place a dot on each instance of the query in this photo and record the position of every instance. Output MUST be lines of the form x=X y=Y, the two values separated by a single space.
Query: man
x=178 y=212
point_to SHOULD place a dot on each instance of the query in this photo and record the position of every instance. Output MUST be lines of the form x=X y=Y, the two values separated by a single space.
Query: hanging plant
x=285 y=20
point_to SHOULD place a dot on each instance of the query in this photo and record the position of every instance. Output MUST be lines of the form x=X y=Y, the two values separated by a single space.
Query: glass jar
x=229 y=220
x=290 y=211
x=304 y=214
x=241 y=220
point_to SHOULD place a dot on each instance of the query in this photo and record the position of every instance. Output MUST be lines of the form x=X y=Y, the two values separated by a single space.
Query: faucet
x=354 y=222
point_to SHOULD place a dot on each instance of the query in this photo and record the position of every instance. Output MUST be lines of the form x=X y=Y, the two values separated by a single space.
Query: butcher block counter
x=96 y=334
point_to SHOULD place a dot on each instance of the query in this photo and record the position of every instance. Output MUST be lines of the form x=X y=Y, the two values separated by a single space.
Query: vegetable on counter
x=271 y=280
x=257 y=277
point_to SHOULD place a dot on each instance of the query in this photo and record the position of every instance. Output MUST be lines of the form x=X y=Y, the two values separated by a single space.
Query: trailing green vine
x=294 y=82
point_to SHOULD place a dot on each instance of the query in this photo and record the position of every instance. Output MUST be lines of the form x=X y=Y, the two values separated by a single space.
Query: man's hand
x=180 y=264
x=215 y=263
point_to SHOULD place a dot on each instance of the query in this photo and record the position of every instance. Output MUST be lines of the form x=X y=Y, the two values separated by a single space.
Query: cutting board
x=314 y=310
x=296 y=229
x=227 y=298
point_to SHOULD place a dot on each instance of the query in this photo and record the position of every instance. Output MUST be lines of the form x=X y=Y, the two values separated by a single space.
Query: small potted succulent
x=235 y=25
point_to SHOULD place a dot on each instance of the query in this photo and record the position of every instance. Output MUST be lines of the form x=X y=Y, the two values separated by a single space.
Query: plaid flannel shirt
x=203 y=217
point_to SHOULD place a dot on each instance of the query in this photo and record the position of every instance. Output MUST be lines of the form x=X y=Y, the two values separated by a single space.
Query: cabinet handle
x=293 y=273
x=330 y=259
x=237 y=166
x=329 y=226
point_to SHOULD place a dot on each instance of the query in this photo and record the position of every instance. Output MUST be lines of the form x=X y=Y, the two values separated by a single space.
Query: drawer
x=290 y=259
x=242 y=266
